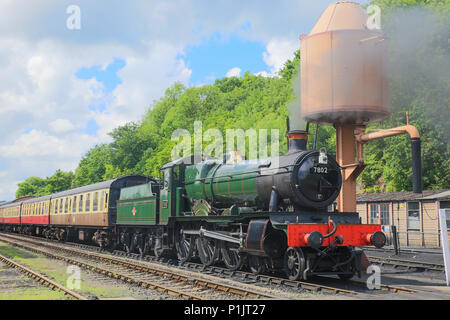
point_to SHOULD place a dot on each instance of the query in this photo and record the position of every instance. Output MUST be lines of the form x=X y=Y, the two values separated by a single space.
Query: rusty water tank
x=343 y=68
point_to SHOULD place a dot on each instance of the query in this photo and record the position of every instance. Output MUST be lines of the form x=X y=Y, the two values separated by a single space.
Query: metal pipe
x=415 y=148
x=384 y=133
x=315 y=137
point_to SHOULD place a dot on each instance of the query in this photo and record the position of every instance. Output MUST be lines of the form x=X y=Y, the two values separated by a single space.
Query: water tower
x=344 y=83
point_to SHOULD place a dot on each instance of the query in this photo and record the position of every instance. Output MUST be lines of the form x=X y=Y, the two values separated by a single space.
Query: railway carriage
x=88 y=211
x=35 y=215
x=10 y=213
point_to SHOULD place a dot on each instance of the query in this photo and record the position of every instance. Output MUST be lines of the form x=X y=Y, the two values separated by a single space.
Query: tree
x=33 y=186
x=92 y=166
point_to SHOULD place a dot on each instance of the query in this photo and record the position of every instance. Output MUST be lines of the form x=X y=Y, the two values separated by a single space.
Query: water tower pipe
x=362 y=138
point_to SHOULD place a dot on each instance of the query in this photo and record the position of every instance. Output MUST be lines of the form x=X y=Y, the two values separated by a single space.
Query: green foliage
x=35 y=186
x=92 y=166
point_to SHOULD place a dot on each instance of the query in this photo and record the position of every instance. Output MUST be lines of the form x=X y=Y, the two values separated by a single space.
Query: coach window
x=74 y=207
x=80 y=203
x=66 y=205
x=413 y=216
x=61 y=205
x=95 y=202
x=102 y=201
x=88 y=202
x=106 y=200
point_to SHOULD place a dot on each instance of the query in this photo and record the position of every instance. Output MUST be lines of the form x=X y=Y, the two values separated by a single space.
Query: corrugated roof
x=441 y=195
x=402 y=196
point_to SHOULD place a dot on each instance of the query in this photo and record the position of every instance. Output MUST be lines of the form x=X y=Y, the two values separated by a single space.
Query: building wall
x=428 y=233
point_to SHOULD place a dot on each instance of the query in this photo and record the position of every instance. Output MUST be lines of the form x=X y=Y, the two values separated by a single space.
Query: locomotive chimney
x=296 y=138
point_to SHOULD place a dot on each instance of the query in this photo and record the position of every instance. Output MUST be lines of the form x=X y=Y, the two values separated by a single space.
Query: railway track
x=248 y=277
x=165 y=281
x=308 y=286
x=40 y=278
x=406 y=264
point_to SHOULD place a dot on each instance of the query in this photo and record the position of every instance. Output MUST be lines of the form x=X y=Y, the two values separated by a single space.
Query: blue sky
x=211 y=59
x=216 y=55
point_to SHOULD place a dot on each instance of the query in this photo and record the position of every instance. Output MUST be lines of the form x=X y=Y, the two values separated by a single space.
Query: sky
x=71 y=71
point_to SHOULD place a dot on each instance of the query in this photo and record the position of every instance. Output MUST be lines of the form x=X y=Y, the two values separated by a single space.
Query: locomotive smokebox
x=343 y=68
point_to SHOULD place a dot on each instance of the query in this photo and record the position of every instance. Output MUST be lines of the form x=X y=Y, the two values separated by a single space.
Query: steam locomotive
x=267 y=215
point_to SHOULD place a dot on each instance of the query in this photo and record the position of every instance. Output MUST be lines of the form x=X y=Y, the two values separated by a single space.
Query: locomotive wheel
x=230 y=257
x=294 y=263
x=158 y=250
x=131 y=244
x=185 y=247
x=256 y=264
x=147 y=245
x=140 y=244
x=207 y=250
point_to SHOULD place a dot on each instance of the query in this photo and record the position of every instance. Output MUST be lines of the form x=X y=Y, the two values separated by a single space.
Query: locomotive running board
x=214 y=235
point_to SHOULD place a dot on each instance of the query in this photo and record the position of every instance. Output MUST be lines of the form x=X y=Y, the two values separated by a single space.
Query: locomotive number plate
x=319 y=170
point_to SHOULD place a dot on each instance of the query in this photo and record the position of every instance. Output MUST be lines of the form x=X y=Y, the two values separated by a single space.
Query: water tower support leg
x=346 y=158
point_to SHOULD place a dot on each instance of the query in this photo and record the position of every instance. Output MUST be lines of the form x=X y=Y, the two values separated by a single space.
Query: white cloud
x=264 y=74
x=278 y=51
x=233 y=72
x=40 y=144
x=61 y=126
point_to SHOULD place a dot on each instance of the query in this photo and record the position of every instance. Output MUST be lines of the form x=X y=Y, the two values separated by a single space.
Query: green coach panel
x=137 y=206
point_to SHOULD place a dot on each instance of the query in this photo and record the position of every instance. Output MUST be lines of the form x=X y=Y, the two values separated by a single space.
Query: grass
x=56 y=271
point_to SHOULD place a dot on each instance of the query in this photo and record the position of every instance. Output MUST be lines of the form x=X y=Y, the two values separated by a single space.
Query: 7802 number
x=319 y=170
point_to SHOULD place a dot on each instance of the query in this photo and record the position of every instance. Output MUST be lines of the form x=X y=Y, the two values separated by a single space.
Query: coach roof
x=96 y=186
